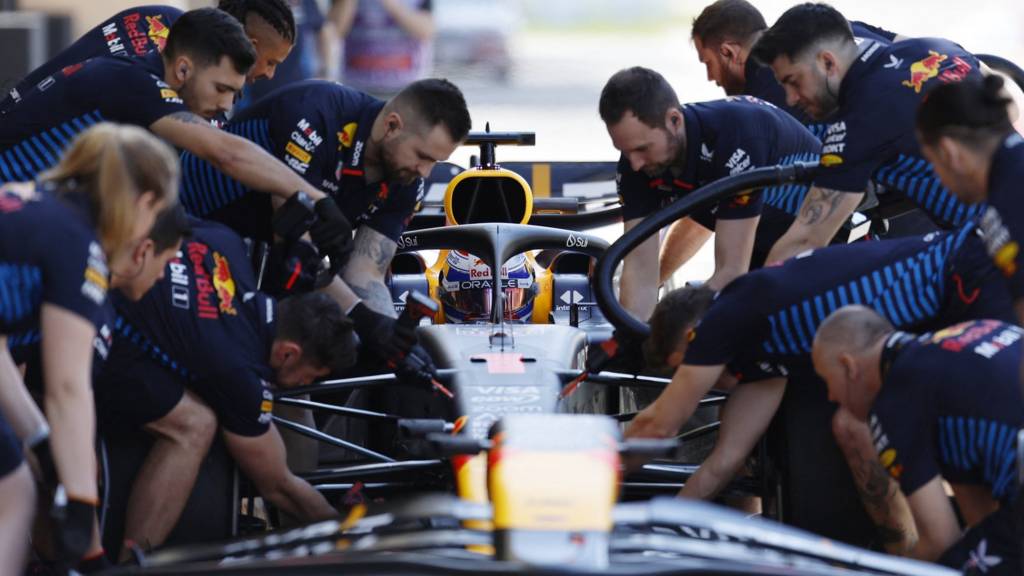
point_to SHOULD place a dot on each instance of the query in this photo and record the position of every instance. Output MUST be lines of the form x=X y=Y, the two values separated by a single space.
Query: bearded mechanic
x=669 y=150
x=759 y=329
x=269 y=24
x=174 y=94
x=369 y=154
x=941 y=406
x=868 y=95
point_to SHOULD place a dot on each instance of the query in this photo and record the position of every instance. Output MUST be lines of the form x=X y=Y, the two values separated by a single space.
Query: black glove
x=294 y=217
x=73 y=520
x=331 y=233
x=294 y=268
x=47 y=469
x=416 y=369
x=389 y=339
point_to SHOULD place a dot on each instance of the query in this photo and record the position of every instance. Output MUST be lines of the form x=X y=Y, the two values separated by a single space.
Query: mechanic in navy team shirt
x=205 y=337
x=869 y=100
x=140 y=30
x=371 y=156
x=723 y=35
x=941 y=406
x=761 y=326
x=669 y=150
x=965 y=132
x=174 y=94
x=55 y=241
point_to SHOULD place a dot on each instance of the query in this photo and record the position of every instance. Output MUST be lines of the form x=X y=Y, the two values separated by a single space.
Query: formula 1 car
x=515 y=463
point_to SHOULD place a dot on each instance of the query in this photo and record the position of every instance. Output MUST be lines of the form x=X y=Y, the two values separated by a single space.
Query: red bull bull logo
x=158 y=31
x=347 y=135
x=224 y=284
x=924 y=70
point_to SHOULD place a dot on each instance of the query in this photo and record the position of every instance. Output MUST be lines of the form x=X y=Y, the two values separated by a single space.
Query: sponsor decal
x=574 y=241
x=924 y=70
x=834 y=143
x=68 y=71
x=10 y=203
x=738 y=162
x=957 y=73
x=740 y=201
x=357 y=153
x=113 y=38
x=894 y=63
x=706 y=154
x=266 y=405
x=1000 y=245
x=305 y=137
x=224 y=284
x=691 y=334
x=300 y=154
x=158 y=31
x=179 y=283
x=103 y=340
x=96 y=275
x=347 y=136
x=170 y=96
x=204 y=284
x=831 y=160
x=887 y=455
x=408 y=241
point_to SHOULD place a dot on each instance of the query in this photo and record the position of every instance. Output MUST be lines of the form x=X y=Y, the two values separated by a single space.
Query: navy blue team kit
x=205 y=326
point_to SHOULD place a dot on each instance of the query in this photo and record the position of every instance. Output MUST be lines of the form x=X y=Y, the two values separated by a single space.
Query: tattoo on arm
x=368 y=282
x=186 y=117
x=879 y=493
x=820 y=205
x=379 y=250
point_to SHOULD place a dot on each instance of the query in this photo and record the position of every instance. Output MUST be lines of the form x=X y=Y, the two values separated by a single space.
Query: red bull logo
x=347 y=135
x=224 y=284
x=924 y=70
x=158 y=31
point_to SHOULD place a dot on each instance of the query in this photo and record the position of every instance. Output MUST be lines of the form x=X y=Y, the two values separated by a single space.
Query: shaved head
x=845 y=355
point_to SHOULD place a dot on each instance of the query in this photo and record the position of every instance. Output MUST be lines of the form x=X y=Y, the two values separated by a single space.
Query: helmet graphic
x=465 y=288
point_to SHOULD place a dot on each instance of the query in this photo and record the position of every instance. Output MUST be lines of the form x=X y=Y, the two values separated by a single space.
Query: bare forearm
x=16 y=404
x=299 y=500
x=69 y=407
x=821 y=216
x=258 y=169
x=371 y=257
x=683 y=239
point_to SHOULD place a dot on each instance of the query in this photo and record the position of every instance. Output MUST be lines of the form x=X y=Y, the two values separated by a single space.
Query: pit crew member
x=204 y=335
x=55 y=239
x=197 y=76
x=869 y=100
x=669 y=149
x=761 y=327
x=941 y=406
x=723 y=35
x=965 y=132
x=371 y=157
x=140 y=30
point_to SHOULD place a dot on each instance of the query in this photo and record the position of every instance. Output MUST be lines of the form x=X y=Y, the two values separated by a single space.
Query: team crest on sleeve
x=266 y=405
x=96 y=275
x=833 y=144
x=931 y=67
x=224 y=284
x=158 y=31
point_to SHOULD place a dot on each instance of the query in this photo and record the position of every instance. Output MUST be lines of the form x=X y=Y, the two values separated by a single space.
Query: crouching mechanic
x=370 y=155
x=760 y=328
x=941 y=406
x=669 y=150
x=204 y=337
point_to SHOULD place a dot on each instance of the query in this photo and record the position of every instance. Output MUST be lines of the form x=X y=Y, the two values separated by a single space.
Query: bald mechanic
x=941 y=406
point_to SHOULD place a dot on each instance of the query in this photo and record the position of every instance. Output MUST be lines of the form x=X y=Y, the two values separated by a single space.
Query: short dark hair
x=206 y=35
x=315 y=322
x=972 y=111
x=798 y=29
x=436 y=101
x=277 y=13
x=641 y=91
x=171 y=226
x=735 y=20
x=673 y=317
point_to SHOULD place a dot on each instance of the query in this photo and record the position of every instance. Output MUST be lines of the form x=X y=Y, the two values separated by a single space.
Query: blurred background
x=540 y=64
